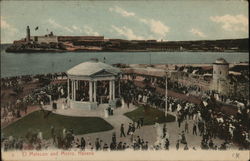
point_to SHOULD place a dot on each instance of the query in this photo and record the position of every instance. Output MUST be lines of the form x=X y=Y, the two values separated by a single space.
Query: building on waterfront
x=92 y=83
x=80 y=38
x=220 y=82
x=45 y=39
x=51 y=38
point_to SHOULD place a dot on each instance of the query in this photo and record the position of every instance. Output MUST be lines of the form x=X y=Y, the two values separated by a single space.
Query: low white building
x=44 y=39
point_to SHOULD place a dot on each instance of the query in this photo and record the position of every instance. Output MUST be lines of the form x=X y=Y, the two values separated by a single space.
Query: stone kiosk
x=83 y=81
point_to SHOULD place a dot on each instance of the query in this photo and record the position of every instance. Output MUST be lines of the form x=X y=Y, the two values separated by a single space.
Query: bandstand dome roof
x=92 y=67
x=220 y=61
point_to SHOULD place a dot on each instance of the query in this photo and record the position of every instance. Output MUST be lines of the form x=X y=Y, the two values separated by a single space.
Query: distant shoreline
x=37 y=50
x=119 y=45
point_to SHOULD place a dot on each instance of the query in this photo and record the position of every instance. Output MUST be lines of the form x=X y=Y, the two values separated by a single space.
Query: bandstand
x=92 y=83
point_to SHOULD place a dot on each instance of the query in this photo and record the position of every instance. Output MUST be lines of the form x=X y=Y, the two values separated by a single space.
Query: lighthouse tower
x=28 y=34
x=220 y=76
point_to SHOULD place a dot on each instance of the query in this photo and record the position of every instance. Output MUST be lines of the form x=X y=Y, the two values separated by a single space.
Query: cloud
x=197 y=32
x=232 y=23
x=89 y=31
x=127 y=32
x=8 y=31
x=156 y=26
x=59 y=26
x=76 y=28
x=5 y=25
x=121 y=11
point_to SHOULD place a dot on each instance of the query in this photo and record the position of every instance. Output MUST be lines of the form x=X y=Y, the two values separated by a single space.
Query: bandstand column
x=72 y=88
x=110 y=89
x=94 y=91
x=113 y=89
x=77 y=87
x=90 y=91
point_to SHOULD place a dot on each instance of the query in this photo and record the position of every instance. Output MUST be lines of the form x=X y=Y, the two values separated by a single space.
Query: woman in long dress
x=106 y=113
x=63 y=106
x=123 y=103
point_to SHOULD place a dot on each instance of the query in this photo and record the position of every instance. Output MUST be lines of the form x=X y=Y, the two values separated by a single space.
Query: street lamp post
x=166 y=96
x=168 y=75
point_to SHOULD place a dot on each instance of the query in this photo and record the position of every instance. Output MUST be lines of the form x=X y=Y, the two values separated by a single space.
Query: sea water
x=15 y=64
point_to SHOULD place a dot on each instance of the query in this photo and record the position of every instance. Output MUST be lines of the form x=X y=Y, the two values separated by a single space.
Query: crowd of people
x=10 y=82
x=40 y=96
x=172 y=85
x=66 y=139
x=179 y=87
x=208 y=118
x=209 y=121
x=33 y=140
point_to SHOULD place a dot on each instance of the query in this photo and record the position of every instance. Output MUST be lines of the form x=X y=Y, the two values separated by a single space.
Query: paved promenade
x=147 y=133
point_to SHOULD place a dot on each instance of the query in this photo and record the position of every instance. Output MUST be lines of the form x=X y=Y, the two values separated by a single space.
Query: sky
x=166 y=20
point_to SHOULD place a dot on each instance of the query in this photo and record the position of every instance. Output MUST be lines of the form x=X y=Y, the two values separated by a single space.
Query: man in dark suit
x=194 y=129
x=129 y=128
x=122 y=131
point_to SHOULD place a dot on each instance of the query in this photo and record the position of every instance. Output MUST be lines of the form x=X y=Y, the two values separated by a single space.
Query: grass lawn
x=36 y=120
x=150 y=115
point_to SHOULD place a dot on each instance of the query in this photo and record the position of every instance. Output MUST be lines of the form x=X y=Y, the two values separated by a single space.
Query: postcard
x=125 y=80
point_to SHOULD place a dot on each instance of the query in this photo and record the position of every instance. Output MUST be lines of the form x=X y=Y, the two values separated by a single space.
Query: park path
x=147 y=133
